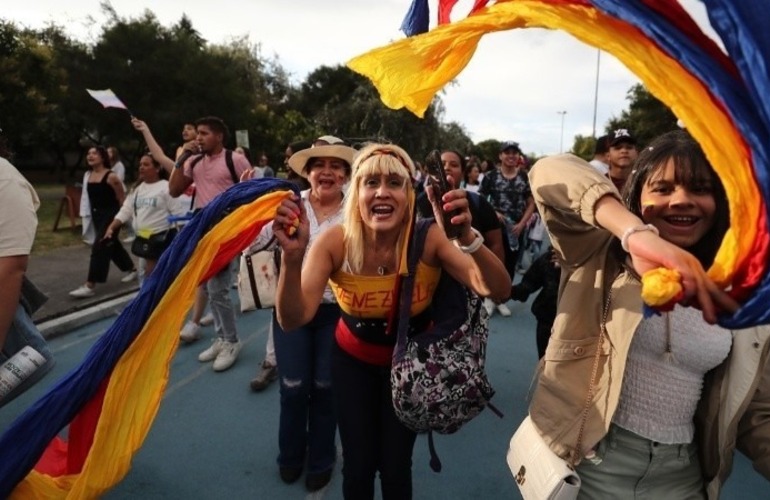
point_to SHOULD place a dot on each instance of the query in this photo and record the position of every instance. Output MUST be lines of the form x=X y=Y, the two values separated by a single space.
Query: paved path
x=213 y=438
x=62 y=270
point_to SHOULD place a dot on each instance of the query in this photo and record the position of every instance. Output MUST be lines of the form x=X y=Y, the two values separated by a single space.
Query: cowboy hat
x=298 y=160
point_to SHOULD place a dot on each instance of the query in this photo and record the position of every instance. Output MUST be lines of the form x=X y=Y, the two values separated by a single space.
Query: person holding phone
x=362 y=259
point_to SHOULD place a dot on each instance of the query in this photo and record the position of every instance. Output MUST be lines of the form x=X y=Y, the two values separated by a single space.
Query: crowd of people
x=670 y=403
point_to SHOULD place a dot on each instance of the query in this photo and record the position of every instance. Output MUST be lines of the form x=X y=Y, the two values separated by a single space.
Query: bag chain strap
x=594 y=370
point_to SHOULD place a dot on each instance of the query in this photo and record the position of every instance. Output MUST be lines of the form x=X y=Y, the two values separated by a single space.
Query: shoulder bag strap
x=611 y=272
x=407 y=286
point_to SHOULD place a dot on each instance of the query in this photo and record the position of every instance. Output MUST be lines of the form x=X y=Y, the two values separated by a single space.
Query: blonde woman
x=361 y=259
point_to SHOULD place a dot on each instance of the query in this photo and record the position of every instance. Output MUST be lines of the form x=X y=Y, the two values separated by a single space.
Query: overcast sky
x=515 y=87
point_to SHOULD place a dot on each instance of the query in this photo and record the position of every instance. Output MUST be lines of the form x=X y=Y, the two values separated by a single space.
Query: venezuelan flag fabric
x=722 y=96
x=111 y=399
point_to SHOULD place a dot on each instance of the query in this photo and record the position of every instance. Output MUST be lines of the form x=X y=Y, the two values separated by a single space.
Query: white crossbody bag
x=539 y=472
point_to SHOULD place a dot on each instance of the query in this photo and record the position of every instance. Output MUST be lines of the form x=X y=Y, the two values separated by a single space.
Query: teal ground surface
x=213 y=438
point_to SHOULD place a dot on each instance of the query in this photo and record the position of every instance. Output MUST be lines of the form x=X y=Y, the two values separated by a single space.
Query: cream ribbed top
x=660 y=395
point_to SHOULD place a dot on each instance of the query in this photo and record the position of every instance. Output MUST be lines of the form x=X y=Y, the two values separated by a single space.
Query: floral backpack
x=437 y=378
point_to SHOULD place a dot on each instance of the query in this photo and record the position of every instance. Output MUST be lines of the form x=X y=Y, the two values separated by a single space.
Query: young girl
x=639 y=434
x=472 y=181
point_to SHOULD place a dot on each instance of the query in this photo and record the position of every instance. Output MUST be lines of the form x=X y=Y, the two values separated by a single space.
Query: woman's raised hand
x=453 y=200
x=291 y=227
x=649 y=251
x=139 y=124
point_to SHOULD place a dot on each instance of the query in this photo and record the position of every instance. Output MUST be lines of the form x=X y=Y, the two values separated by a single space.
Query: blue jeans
x=307 y=421
x=23 y=332
x=218 y=289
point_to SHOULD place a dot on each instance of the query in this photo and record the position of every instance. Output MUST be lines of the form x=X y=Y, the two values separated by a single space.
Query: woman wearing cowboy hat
x=308 y=424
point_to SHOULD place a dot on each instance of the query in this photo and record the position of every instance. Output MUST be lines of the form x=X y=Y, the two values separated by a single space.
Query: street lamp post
x=596 y=90
x=561 y=134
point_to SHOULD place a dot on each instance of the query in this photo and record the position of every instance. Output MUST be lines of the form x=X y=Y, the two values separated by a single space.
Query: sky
x=533 y=86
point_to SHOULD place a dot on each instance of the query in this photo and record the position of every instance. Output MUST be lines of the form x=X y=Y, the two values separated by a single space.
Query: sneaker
x=190 y=332
x=314 y=482
x=290 y=474
x=227 y=355
x=212 y=352
x=489 y=305
x=503 y=310
x=207 y=320
x=82 y=292
x=266 y=375
x=129 y=277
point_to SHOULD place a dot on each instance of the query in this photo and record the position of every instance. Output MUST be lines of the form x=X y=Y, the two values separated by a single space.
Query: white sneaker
x=129 y=277
x=489 y=305
x=227 y=356
x=190 y=332
x=82 y=292
x=503 y=310
x=207 y=320
x=212 y=352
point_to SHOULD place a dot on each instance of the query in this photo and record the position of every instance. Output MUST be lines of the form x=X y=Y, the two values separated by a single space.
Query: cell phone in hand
x=437 y=179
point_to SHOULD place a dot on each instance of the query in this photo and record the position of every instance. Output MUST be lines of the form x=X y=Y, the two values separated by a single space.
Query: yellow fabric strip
x=409 y=72
x=140 y=377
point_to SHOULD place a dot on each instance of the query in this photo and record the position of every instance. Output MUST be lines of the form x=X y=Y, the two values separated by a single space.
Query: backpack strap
x=405 y=301
x=228 y=160
x=195 y=161
x=231 y=165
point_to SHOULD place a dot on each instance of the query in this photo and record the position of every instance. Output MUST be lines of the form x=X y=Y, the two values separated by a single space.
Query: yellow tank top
x=372 y=296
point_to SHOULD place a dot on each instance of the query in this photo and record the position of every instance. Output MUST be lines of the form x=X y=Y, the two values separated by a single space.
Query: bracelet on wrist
x=475 y=244
x=636 y=229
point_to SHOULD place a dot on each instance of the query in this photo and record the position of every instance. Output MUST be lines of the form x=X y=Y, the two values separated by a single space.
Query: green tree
x=646 y=116
x=336 y=100
x=584 y=147
x=171 y=75
x=36 y=68
x=488 y=149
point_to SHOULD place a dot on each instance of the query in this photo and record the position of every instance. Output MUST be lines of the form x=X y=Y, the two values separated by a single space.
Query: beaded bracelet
x=636 y=229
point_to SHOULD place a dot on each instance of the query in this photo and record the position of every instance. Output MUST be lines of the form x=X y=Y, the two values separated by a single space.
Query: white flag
x=106 y=98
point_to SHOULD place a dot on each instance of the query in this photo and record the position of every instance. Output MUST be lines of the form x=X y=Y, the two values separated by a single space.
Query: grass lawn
x=46 y=238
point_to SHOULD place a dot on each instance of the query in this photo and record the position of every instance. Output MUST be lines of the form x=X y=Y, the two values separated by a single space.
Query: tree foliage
x=169 y=75
x=646 y=116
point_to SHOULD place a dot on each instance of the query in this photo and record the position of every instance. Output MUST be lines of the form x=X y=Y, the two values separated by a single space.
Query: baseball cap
x=621 y=135
x=510 y=145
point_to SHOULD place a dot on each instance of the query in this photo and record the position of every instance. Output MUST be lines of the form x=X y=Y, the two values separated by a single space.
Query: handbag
x=258 y=278
x=152 y=246
x=538 y=471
